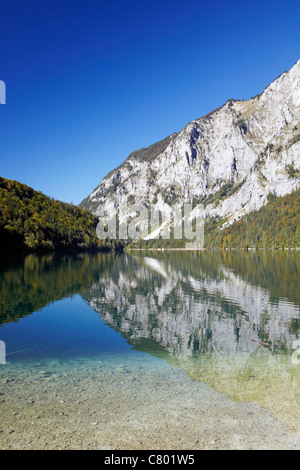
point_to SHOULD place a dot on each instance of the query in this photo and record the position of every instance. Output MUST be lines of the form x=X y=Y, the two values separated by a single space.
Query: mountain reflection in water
x=198 y=311
x=189 y=303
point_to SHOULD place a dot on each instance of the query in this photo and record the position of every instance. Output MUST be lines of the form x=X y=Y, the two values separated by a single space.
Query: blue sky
x=89 y=81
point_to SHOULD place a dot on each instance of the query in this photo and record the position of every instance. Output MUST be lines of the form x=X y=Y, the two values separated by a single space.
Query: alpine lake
x=150 y=350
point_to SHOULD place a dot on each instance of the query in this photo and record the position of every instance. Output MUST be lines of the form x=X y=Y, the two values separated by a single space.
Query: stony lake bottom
x=149 y=350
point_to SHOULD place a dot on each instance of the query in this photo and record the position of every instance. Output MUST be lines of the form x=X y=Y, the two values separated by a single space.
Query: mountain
x=29 y=220
x=230 y=160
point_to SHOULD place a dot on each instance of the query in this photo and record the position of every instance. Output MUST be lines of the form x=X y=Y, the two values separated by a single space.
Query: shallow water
x=150 y=351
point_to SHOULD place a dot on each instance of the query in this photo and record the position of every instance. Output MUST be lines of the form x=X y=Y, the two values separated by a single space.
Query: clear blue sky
x=89 y=81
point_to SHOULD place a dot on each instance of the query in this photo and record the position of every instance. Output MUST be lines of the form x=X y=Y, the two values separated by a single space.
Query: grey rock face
x=230 y=160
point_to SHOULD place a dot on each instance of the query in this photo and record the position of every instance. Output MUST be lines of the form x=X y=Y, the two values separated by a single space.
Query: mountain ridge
x=230 y=159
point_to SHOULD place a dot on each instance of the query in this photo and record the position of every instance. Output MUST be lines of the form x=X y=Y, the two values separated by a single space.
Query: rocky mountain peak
x=230 y=160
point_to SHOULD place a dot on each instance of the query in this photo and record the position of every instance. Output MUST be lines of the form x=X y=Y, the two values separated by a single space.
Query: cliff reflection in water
x=193 y=303
x=199 y=312
x=196 y=310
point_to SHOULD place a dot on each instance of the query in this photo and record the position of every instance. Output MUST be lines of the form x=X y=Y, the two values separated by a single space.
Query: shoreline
x=212 y=249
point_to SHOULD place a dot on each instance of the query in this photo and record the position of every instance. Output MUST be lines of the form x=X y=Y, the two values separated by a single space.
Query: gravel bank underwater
x=126 y=403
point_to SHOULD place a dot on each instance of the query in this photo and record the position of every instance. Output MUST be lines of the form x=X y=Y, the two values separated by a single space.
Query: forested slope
x=275 y=225
x=30 y=220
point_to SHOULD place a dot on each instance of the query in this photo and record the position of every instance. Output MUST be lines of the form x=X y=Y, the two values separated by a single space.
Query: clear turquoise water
x=65 y=329
x=200 y=315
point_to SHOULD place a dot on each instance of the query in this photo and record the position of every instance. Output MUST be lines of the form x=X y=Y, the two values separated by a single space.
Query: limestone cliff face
x=229 y=160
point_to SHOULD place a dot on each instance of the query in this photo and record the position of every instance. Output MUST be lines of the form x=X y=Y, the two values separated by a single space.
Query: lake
x=150 y=350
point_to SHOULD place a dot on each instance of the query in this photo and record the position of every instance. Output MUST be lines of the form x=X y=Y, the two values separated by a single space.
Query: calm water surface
x=202 y=313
